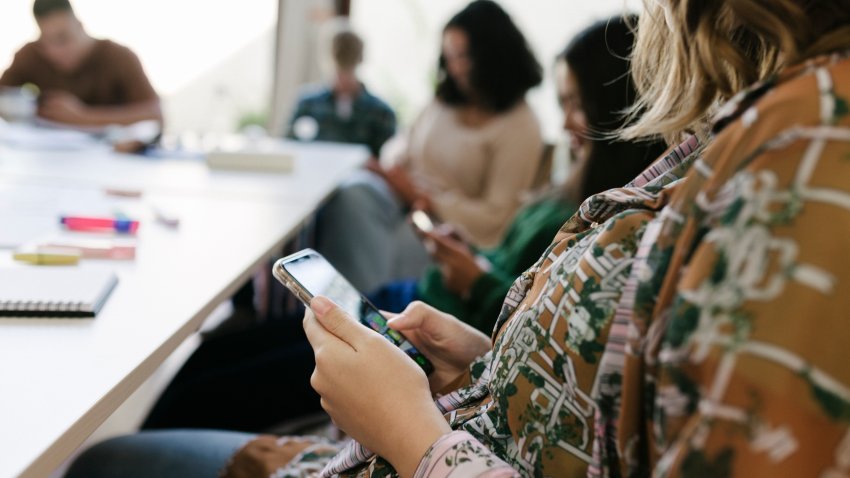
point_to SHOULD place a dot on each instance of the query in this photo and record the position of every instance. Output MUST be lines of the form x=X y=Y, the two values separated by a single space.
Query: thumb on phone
x=416 y=317
x=337 y=322
x=405 y=321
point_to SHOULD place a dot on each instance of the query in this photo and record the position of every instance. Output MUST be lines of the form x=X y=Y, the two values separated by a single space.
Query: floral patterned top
x=676 y=326
x=734 y=360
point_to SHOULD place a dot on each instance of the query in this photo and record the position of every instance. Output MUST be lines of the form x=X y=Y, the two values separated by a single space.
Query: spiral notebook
x=54 y=291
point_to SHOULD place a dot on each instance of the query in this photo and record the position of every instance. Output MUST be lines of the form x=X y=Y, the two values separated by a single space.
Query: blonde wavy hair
x=690 y=55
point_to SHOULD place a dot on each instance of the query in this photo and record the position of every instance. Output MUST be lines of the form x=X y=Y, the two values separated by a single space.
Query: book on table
x=46 y=291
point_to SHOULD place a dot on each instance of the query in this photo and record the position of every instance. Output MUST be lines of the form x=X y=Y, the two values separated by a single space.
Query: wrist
x=424 y=202
x=408 y=450
x=414 y=199
x=477 y=344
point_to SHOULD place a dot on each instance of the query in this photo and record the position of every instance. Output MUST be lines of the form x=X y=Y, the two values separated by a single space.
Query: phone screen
x=318 y=277
x=422 y=221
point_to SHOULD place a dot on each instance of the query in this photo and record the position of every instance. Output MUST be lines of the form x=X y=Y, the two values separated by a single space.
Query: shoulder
x=375 y=102
x=314 y=93
x=786 y=112
x=519 y=119
x=114 y=48
x=783 y=161
x=436 y=107
x=521 y=110
x=435 y=112
x=115 y=51
x=28 y=52
x=520 y=113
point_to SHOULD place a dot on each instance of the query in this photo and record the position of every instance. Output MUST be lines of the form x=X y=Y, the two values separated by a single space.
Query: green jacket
x=530 y=233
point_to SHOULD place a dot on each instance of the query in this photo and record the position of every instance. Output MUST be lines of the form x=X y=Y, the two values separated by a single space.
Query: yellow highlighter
x=48 y=256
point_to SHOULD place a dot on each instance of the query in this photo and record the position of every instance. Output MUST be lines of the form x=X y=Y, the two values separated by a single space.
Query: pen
x=97 y=250
x=125 y=193
x=102 y=224
x=166 y=219
x=48 y=256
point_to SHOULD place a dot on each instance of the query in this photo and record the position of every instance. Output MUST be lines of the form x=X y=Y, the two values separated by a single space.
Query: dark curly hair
x=43 y=8
x=503 y=66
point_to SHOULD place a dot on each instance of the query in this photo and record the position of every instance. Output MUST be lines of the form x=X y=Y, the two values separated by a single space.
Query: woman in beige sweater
x=468 y=159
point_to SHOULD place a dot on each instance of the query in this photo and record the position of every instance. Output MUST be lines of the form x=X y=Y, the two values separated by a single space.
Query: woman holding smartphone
x=692 y=323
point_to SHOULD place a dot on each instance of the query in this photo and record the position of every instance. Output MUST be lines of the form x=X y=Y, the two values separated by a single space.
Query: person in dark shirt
x=83 y=81
x=344 y=111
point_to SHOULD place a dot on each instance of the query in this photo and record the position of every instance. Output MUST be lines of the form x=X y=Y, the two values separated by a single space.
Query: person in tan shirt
x=468 y=160
x=83 y=81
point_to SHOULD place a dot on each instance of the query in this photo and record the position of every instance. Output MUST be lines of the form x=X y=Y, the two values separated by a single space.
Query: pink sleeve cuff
x=459 y=454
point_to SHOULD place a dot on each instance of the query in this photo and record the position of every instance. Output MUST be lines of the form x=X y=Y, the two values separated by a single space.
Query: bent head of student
x=692 y=55
x=347 y=51
x=595 y=90
x=485 y=59
x=63 y=41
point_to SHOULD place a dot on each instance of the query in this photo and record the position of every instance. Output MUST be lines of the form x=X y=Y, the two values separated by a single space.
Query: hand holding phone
x=307 y=274
x=459 y=264
x=422 y=221
x=370 y=390
x=452 y=344
x=427 y=226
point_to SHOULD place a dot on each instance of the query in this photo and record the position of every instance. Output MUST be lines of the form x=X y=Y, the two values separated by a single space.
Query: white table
x=61 y=378
x=316 y=164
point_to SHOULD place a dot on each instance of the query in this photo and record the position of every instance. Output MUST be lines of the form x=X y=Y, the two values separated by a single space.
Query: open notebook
x=54 y=291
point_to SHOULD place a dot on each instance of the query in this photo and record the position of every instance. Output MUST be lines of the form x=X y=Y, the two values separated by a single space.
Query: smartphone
x=307 y=274
x=422 y=221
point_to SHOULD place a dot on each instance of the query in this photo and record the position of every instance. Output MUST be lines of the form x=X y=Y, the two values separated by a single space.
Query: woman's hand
x=372 y=164
x=371 y=389
x=446 y=229
x=401 y=182
x=263 y=456
x=450 y=344
x=63 y=107
x=458 y=263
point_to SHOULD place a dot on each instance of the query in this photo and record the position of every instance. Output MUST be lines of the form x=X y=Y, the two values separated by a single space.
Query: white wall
x=211 y=60
x=402 y=53
x=185 y=46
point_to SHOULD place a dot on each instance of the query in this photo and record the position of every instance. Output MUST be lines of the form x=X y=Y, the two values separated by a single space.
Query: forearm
x=414 y=441
x=123 y=115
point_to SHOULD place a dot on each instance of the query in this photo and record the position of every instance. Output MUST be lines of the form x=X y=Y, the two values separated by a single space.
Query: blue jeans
x=395 y=296
x=363 y=231
x=161 y=454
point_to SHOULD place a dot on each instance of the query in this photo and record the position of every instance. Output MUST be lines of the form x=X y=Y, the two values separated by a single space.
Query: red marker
x=99 y=224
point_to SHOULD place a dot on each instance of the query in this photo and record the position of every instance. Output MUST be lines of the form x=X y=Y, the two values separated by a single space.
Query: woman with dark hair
x=495 y=68
x=598 y=94
x=468 y=159
x=595 y=91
